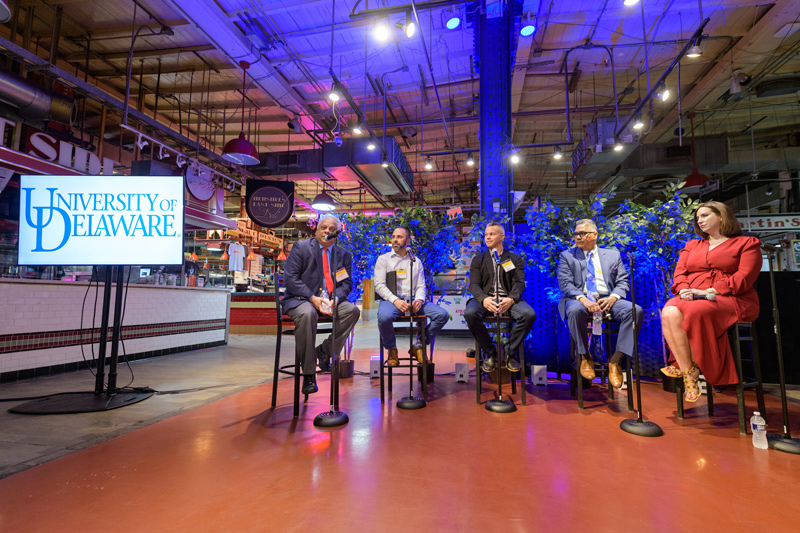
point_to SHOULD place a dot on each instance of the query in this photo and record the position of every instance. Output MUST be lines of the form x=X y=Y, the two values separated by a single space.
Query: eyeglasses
x=582 y=234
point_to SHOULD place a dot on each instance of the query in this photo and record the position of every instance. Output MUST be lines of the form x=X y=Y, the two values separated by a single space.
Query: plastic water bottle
x=597 y=323
x=759 y=427
x=325 y=306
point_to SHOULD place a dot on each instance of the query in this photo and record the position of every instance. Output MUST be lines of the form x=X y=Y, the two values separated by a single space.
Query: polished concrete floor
x=208 y=454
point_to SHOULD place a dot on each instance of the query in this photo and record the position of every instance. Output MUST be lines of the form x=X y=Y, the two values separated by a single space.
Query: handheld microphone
x=708 y=296
x=496 y=257
x=332 y=236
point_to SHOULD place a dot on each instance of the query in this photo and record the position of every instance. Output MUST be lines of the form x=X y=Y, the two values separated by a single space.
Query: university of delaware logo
x=44 y=217
x=100 y=220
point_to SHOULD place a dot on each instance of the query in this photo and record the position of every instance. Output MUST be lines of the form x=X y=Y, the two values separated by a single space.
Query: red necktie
x=326 y=270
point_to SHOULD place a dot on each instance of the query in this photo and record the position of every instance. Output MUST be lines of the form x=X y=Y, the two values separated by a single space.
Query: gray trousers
x=578 y=318
x=305 y=319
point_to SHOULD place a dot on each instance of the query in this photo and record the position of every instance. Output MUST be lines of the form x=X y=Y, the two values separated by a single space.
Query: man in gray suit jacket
x=594 y=279
x=310 y=290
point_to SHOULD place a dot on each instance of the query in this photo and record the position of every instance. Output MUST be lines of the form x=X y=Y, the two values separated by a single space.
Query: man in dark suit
x=508 y=297
x=312 y=280
x=593 y=280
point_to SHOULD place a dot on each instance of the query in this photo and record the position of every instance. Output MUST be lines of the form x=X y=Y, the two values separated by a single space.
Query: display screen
x=101 y=220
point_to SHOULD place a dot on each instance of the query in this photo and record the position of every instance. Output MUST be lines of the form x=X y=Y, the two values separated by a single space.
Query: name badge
x=508 y=266
x=401 y=274
x=342 y=274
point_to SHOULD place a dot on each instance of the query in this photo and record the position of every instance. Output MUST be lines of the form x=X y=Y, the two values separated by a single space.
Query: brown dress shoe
x=587 y=369
x=419 y=352
x=393 y=359
x=615 y=375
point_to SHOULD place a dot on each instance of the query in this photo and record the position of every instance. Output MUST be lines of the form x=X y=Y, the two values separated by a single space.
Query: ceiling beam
x=160 y=52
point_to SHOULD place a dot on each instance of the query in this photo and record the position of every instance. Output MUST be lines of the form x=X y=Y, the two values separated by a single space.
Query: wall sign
x=269 y=203
x=783 y=222
x=90 y=220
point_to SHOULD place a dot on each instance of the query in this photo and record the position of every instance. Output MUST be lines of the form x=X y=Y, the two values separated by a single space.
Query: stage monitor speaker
x=539 y=375
x=375 y=366
x=462 y=373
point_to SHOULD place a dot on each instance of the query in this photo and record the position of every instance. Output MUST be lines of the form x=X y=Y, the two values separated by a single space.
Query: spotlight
x=694 y=51
x=408 y=132
x=663 y=93
x=453 y=17
x=141 y=142
x=371 y=146
x=527 y=30
x=407 y=26
x=739 y=79
x=514 y=159
x=557 y=153
x=384 y=163
x=337 y=140
x=428 y=164
x=294 y=124
x=356 y=129
x=618 y=146
x=630 y=2
x=334 y=95
x=637 y=122
x=381 y=32
x=470 y=161
x=769 y=191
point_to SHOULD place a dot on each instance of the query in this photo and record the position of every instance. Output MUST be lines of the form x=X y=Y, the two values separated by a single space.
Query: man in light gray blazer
x=594 y=279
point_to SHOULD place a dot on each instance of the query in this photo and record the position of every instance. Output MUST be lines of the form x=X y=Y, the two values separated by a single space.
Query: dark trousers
x=522 y=313
x=578 y=319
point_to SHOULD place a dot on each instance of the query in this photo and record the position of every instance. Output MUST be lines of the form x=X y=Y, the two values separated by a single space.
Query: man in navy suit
x=312 y=280
x=594 y=279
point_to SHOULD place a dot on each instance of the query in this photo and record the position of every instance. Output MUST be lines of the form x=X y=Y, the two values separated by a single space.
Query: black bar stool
x=291 y=369
x=610 y=327
x=738 y=336
x=420 y=322
x=506 y=323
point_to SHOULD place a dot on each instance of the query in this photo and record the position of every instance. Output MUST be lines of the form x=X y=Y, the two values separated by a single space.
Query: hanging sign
x=94 y=220
x=269 y=203
x=784 y=222
x=454 y=212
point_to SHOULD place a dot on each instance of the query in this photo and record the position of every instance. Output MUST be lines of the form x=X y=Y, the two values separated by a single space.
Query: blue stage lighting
x=527 y=30
x=453 y=23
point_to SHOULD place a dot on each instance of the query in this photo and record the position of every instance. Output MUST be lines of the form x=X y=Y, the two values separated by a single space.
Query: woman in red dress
x=723 y=263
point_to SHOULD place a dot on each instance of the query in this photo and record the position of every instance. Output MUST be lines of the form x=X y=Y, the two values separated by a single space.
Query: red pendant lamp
x=281 y=256
x=225 y=256
x=240 y=150
x=251 y=256
x=694 y=180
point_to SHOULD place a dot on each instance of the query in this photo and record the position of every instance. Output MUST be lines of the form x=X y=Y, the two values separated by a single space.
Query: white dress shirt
x=389 y=262
x=599 y=279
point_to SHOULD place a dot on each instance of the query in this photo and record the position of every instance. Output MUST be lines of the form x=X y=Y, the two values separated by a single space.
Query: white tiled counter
x=41 y=332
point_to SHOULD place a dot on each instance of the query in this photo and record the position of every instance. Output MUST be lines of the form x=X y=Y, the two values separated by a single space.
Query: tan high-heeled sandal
x=691 y=388
x=672 y=371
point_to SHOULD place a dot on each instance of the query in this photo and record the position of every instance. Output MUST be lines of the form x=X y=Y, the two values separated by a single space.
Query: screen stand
x=102 y=398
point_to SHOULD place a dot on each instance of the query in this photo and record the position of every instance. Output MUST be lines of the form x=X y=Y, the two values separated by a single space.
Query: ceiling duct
x=778 y=87
x=595 y=156
x=353 y=161
x=34 y=102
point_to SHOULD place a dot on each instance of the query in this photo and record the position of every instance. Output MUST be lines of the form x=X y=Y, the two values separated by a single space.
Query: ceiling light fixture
x=453 y=19
x=662 y=92
x=251 y=256
x=528 y=29
x=637 y=122
x=381 y=32
x=514 y=159
x=334 y=94
x=470 y=161
x=630 y=2
x=618 y=146
x=694 y=51
x=371 y=146
x=557 y=153
x=428 y=164
x=407 y=26
x=239 y=150
x=323 y=202
x=356 y=129
x=384 y=163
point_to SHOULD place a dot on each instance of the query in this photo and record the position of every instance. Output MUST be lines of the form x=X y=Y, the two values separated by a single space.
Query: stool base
x=410 y=403
x=782 y=444
x=500 y=406
x=331 y=419
x=645 y=428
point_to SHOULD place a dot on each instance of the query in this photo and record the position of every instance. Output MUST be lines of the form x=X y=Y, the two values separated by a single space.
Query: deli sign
x=92 y=220
x=46 y=147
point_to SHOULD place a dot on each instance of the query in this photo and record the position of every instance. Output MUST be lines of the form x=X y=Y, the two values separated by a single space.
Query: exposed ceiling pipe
x=34 y=102
x=433 y=78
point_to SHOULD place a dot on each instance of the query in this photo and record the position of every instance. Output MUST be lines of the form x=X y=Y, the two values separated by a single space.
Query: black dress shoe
x=488 y=363
x=309 y=385
x=512 y=364
x=323 y=360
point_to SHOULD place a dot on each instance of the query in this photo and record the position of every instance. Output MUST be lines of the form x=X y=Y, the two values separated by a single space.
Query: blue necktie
x=591 y=284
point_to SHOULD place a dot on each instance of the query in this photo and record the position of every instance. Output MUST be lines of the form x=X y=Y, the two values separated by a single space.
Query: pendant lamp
x=206 y=266
x=281 y=256
x=193 y=257
x=251 y=256
x=239 y=150
x=5 y=13
x=323 y=202
x=225 y=256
